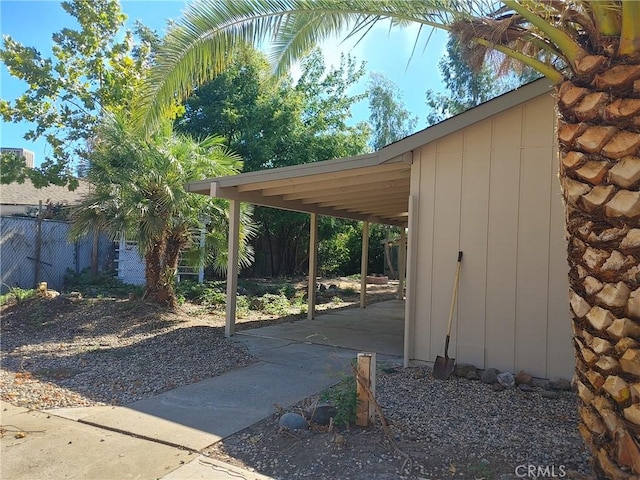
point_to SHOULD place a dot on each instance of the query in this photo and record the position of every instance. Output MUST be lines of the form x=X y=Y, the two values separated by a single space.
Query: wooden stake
x=367 y=373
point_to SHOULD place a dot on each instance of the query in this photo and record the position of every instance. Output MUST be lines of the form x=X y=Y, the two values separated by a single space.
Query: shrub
x=104 y=284
x=17 y=295
x=344 y=397
x=275 y=304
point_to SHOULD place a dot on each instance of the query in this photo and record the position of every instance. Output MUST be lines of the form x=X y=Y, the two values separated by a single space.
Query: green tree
x=92 y=69
x=139 y=193
x=465 y=87
x=275 y=123
x=591 y=51
x=388 y=117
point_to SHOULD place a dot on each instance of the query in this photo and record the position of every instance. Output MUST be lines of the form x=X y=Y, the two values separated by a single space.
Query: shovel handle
x=455 y=295
x=446 y=347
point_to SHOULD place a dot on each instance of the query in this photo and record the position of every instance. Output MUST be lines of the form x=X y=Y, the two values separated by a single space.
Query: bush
x=17 y=295
x=275 y=304
x=207 y=293
x=102 y=284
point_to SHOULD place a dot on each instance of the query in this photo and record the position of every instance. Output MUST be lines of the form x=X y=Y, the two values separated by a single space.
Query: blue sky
x=32 y=23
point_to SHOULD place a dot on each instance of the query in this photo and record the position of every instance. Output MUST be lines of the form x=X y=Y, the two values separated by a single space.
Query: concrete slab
x=205 y=468
x=53 y=447
x=198 y=415
x=377 y=328
x=77 y=413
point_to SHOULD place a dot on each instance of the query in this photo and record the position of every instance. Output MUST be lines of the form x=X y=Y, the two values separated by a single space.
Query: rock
x=242 y=291
x=506 y=379
x=525 y=387
x=322 y=287
x=472 y=375
x=497 y=387
x=339 y=440
x=523 y=378
x=333 y=286
x=256 y=304
x=321 y=413
x=50 y=293
x=490 y=376
x=462 y=369
x=551 y=394
x=559 y=384
x=293 y=421
x=74 y=297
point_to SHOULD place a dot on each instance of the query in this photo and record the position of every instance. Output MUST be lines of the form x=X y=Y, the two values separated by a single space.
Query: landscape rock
x=525 y=387
x=462 y=369
x=523 y=378
x=321 y=413
x=506 y=379
x=242 y=291
x=293 y=421
x=559 y=384
x=256 y=304
x=473 y=375
x=490 y=376
x=551 y=394
x=497 y=387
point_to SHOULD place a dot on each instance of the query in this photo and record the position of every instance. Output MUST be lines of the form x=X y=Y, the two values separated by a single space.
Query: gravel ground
x=56 y=353
x=456 y=428
x=61 y=353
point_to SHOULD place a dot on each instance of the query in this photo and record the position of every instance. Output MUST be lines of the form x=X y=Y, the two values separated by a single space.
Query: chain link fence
x=33 y=251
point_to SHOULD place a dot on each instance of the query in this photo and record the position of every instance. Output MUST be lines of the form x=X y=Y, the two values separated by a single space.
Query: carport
x=370 y=188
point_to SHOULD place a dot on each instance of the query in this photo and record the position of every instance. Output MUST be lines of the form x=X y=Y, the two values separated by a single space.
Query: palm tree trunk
x=153 y=269
x=172 y=257
x=600 y=175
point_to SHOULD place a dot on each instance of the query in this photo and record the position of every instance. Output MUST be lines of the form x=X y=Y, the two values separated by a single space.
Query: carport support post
x=365 y=409
x=363 y=264
x=402 y=250
x=232 y=267
x=313 y=267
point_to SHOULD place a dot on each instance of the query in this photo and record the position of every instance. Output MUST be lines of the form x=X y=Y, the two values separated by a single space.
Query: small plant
x=336 y=300
x=242 y=306
x=275 y=304
x=103 y=285
x=17 y=295
x=344 y=397
x=287 y=290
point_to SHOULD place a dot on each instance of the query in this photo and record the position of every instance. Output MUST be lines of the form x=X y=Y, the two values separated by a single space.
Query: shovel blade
x=443 y=367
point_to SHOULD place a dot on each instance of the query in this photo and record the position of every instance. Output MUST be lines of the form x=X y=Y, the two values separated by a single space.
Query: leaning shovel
x=443 y=367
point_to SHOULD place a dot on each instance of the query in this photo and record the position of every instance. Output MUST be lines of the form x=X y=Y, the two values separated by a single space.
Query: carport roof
x=373 y=187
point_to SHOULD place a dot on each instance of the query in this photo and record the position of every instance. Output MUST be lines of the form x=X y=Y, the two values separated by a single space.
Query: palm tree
x=139 y=192
x=591 y=51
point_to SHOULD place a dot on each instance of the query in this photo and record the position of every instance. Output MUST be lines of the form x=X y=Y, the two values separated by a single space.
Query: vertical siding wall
x=491 y=190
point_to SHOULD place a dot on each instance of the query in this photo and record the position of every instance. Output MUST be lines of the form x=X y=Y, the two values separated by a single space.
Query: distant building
x=22 y=198
x=28 y=155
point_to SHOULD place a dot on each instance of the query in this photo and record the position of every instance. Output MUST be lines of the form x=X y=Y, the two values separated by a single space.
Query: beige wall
x=491 y=190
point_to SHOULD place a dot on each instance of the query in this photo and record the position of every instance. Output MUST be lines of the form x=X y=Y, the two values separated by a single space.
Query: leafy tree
x=139 y=192
x=92 y=69
x=464 y=87
x=274 y=123
x=389 y=119
x=591 y=51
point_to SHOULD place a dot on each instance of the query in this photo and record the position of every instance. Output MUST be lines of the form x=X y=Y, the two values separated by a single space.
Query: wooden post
x=367 y=371
x=363 y=264
x=38 y=254
x=409 y=311
x=402 y=259
x=313 y=267
x=232 y=267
